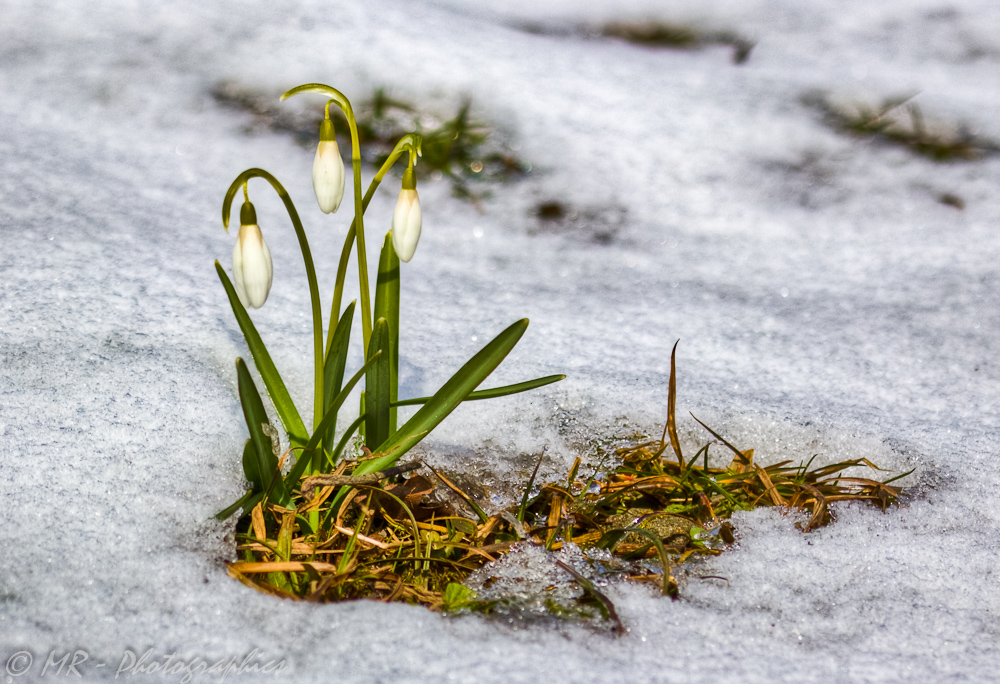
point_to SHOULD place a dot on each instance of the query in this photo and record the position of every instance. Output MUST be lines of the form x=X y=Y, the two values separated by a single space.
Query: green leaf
x=243 y=502
x=282 y=401
x=523 y=508
x=298 y=469
x=457 y=596
x=387 y=307
x=377 y=387
x=342 y=444
x=494 y=392
x=250 y=468
x=444 y=401
x=256 y=418
x=333 y=369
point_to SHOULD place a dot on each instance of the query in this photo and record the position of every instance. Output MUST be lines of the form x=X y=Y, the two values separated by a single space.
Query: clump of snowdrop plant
x=327 y=527
x=319 y=451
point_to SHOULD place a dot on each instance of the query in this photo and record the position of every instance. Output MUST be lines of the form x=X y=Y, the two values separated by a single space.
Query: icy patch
x=529 y=587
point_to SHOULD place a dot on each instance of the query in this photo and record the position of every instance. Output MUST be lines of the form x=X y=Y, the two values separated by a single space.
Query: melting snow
x=827 y=303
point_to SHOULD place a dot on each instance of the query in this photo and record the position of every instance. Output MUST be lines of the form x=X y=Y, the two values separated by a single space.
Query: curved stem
x=300 y=232
x=409 y=142
x=341 y=101
x=359 y=227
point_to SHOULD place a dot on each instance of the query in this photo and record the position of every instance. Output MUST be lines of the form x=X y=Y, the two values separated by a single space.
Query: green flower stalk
x=261 y=358
x=338 y=98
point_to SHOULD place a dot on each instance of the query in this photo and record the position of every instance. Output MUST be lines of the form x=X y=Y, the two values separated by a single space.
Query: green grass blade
x=377 y=387
x=604 y=604
x=240 y=503
x=342 y=444
x=522 y=509
x=494 y=392
x=276 y=389
x=444 y=401
x=333 y=369
x=387 y=307
x=256 y=417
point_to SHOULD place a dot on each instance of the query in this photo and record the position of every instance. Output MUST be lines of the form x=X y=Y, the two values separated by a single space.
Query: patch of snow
x=826 y=301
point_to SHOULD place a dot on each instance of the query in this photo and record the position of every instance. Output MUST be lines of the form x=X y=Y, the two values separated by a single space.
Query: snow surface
x=826 y=302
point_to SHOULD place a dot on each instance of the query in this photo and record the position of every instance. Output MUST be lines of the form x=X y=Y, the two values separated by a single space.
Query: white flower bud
x=328 y=176
x=406 y=224
x=252 y=266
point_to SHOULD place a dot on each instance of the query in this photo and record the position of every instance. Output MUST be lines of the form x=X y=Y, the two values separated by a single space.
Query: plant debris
x=650 y=33
x=401 y=540
x=462 y=149
x=659 y=34
x=599 y=225
x=899 y=121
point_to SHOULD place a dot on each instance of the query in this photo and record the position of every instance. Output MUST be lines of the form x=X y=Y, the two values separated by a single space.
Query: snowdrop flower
x=251 y=261
x=406 y=219
x=328 y=170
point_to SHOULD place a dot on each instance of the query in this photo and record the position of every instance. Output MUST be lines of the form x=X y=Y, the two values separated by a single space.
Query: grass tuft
x=899 y=121
x=386 y=538
x=659 y=34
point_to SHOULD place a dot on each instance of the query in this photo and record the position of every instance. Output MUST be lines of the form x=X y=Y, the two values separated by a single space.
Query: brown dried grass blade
x=310 y=484
x=488 y=527
x=819 y=512
x=465 y=497
x=281 y=566
x=670 y=429
x=262 y=587
x=367 y=540
x=257 y=522
x=772 y=491
x=285 y=535
x=555 y=516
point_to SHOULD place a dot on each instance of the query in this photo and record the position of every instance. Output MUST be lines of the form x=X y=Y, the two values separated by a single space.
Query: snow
x=826 y=302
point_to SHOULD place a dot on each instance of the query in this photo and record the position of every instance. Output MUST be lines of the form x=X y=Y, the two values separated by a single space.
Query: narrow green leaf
x=494 y=392
x=342 y=444
x=361 y=412
x=604 y=604
x=250 y=467
x=377 y=387
x=243 y=502
x=276 y=390
x=387 y=307
x=523 y=508
x=256 y=417
x=298 y=469
x=444 y=401
x=333 y=368
x=897 y=477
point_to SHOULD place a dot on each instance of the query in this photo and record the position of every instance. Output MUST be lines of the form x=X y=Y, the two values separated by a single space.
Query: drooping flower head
x=328 y=169
x=252 y=266
x=406 y=220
